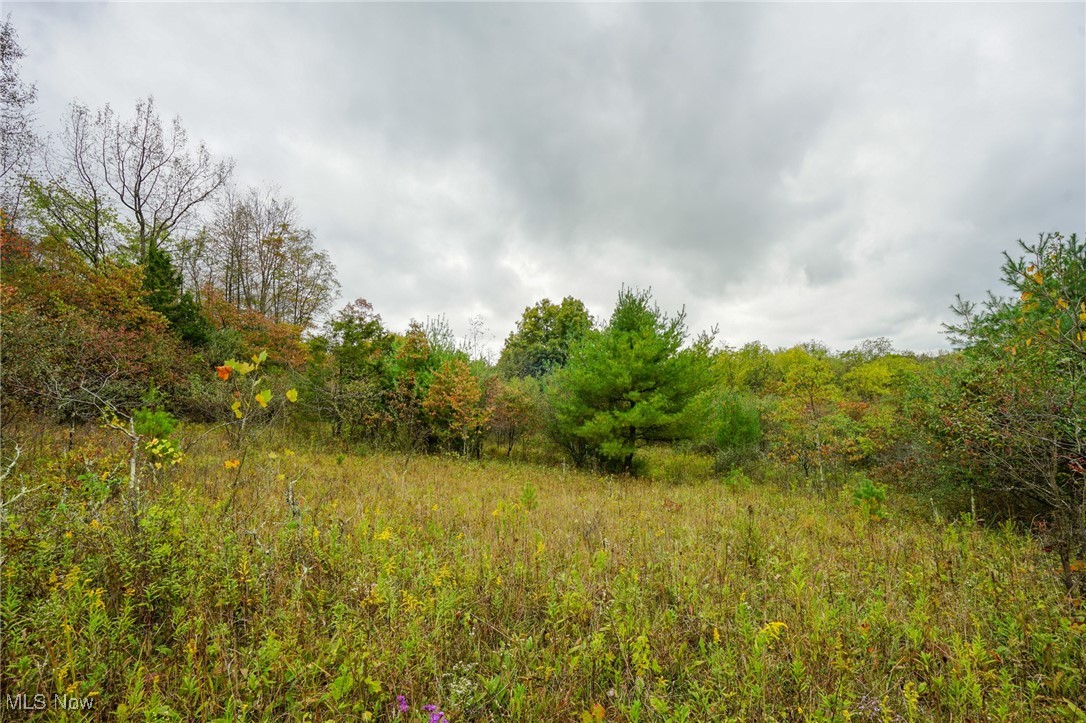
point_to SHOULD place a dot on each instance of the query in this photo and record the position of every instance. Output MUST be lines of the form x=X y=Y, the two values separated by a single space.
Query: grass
x=338 y=587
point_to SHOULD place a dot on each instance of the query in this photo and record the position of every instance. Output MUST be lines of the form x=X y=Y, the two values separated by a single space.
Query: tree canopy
x=543 y=337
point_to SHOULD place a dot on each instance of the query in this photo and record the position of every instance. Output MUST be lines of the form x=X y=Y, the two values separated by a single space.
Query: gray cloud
x=787 y=171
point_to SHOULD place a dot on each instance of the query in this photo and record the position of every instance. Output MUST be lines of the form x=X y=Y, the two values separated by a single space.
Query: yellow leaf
x=292 y=395
x=236 y=406
x=263 y=398
x=231 y=464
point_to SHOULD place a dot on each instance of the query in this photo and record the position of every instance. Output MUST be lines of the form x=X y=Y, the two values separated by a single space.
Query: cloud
x=784 y=171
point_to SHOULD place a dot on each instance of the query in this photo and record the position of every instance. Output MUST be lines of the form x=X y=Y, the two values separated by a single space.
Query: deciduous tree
x=543 y=337
x=18 y=141
x=454 y=404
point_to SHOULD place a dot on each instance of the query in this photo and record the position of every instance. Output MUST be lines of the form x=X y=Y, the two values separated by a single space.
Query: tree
x=806 y=414
x=152 y=174
x=257 y=255
x=351 y=373
x=543 y=337
x=413 y=370
x=628 y=383
x=1015 y=409
x=738 y=431
x=73 y=201
x=454 y=405
x=17 y=138
x=515 y=408
x=750 y=368
x=165 y=295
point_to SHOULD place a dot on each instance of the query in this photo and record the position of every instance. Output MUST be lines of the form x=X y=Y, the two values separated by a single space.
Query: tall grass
x=337 y=587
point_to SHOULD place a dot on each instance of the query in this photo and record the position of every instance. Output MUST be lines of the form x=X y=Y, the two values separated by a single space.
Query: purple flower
x=436 y=715
x=401 y=703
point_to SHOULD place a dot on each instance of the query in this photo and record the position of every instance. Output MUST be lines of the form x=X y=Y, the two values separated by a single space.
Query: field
x=304 y=584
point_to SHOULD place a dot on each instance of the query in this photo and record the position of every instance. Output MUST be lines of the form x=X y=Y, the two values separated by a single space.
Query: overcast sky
x=788 y=172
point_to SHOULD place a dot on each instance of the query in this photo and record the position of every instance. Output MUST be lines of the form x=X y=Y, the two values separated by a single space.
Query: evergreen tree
x=164 y=294
x=631 y=382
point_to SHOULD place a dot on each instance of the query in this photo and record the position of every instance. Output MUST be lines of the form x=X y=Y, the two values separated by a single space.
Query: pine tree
x=629 y=383
x=165 y=295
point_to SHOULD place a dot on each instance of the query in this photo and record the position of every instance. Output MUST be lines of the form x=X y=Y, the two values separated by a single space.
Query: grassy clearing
x=501 y=591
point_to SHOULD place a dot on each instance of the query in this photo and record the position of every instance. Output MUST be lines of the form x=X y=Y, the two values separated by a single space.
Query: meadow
x=303 y=583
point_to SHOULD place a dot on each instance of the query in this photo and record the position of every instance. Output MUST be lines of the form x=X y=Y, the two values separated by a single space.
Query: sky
x=784 y=172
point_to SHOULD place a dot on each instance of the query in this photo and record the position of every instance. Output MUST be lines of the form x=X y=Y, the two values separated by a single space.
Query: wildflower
x=231 y=464
x=436 y=715
x=401 y=703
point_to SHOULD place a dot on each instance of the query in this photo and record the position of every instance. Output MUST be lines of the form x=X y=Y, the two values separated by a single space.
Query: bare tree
x=260 y=258
x=73 y=201
x=17 y=138
x=111 y=170
x=153 y=173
